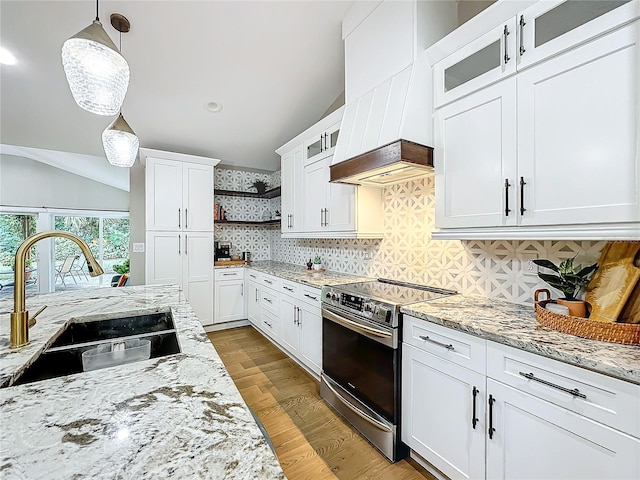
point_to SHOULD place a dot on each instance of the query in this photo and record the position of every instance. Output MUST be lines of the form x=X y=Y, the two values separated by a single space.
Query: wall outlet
x=138 y=247
x=367 y=255
x=527 y=267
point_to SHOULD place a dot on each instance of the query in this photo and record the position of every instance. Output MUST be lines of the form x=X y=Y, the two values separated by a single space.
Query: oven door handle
x=329 y=315
x=357 y=411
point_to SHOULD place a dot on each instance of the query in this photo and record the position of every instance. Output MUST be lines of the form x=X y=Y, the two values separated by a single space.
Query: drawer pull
x=268 y=299
x=268 y=324
x=311 y=297
x=491 y=429
x=474 y=420
x=252 y=276
x=575 y=392
x=435 y=342
x=268 y=281
x=287 y=288
x=228 y=274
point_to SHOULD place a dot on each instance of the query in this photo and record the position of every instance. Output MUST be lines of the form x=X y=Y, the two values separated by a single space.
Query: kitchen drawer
x=270 y=324
x=222 y=274
x=270 y=301
x=309 y=295
x=270 y=281
x=605 y=399
x=457 y=347
x=290 y=288
x=253 y=276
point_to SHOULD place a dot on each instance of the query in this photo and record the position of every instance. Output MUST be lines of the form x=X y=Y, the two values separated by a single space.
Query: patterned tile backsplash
x=492 y=269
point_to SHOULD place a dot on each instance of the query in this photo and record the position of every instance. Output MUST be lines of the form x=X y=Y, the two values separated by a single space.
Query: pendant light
x=118 y=140
x=97 y=73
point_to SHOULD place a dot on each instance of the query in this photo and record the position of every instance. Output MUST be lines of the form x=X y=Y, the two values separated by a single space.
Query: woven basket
x=626 y=333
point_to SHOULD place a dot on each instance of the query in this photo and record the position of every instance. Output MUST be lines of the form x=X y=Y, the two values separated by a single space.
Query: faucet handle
x=32 y=320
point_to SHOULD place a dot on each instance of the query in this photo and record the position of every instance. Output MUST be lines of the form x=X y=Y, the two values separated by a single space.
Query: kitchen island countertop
x=515 y=325
x=178 y=416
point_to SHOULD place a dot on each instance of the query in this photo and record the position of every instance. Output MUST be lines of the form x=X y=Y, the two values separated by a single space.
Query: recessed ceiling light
x=6 y=57
x=214 y=107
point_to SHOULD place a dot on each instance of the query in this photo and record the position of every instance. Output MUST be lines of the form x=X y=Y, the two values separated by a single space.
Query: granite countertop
x=177 y=416
x=300 y=274
x=516 y=326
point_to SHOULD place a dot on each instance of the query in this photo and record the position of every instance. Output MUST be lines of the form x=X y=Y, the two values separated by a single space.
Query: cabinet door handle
x=474 y=419
x=575 y=392
x=311 y=297
x=322 y=217
x=506 y=197
x=186 y=218
x=179 y=218
x=522 y=24
x=186 y=242
x=506 y=53
x=435 y=342
x=257 y=297
x=268 y=300
x=242 y=289
x=326 y=217
x=299 y=321
x=491 y=429
x=179 y=242
x=522 y=184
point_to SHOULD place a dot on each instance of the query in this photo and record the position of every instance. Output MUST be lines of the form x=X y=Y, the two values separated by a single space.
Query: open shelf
x=247 y=222
x=273 y=193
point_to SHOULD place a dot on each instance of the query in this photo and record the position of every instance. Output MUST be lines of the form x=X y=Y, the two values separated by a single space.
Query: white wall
x=28 y=183
x=137 y=222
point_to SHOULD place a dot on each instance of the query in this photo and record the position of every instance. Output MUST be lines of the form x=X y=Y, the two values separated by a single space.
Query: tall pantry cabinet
x=179 y=225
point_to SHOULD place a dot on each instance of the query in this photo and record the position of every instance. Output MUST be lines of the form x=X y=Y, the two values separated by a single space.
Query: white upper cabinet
x=312 y=207
x=292 y=190
x=550 y=152
x=476 y=154
x=486 y=60
x=178 y=193
x=578 y=132
x=552 y=26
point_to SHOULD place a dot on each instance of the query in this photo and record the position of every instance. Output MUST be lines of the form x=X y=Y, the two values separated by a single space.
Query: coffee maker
x=222 y=251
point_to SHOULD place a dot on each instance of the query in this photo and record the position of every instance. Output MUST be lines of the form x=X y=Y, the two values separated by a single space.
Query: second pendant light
x=119 y=141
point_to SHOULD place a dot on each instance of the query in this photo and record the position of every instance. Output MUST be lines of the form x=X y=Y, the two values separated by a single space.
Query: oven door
x=363 y=359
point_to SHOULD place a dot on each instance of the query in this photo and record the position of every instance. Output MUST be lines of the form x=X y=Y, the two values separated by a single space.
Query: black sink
x=64 y=356
x=83 y=332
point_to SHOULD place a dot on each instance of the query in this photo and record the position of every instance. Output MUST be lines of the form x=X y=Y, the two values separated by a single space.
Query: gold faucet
x=20 y=321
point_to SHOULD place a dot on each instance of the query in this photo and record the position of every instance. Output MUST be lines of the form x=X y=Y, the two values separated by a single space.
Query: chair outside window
x=78 y=268
x=66 y=269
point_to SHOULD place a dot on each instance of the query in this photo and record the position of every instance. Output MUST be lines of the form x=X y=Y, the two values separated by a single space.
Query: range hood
x=395 y=162
x=384 y=134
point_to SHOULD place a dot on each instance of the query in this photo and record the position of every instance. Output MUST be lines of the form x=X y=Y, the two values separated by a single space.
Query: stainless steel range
x=361 y=328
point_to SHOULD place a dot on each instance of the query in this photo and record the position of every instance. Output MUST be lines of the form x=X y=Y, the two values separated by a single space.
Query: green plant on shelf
x=260 y=186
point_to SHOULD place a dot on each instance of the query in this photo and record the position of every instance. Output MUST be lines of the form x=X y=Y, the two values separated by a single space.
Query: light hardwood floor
x=312 y=442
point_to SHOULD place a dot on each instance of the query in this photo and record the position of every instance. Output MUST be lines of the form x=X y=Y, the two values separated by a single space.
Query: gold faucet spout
x=20 y=316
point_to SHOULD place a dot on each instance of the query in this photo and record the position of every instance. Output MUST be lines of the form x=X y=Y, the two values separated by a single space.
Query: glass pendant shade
x=97 y=74
x=120 y=143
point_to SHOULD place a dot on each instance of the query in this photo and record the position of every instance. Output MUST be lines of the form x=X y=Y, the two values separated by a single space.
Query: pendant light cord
x=97 y=17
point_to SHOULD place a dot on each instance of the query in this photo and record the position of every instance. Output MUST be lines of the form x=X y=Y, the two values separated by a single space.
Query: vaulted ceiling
x=275 y=67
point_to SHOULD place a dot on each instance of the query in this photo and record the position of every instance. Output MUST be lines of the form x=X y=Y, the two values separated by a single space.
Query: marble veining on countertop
x=178 y=416
x=515 y=325
x=300 y=274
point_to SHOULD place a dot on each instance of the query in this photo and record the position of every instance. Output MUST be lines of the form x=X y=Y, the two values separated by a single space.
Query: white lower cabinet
x=534 y=439
x=302 y=325
x=230 y=303
x=185 y=259
x=537 y=418
x=253 y=302
x=441 y=401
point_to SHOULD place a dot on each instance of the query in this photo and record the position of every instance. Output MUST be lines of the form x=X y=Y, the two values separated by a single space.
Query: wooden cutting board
x=228 y=263
x=614 y=281
x=631 y=311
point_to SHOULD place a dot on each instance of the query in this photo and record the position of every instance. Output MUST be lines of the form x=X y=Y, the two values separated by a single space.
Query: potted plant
x=120 y=269
x=317 y=263
x=260 y=186
x=570 y=281
x=277 y=214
